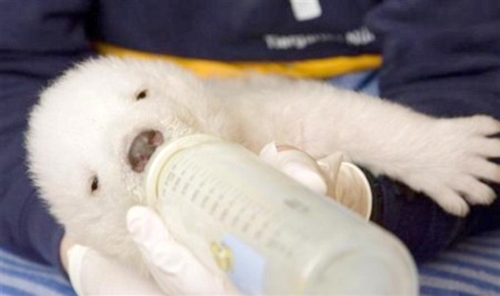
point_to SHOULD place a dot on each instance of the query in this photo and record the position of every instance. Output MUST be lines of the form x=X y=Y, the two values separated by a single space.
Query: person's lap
x=21 y=276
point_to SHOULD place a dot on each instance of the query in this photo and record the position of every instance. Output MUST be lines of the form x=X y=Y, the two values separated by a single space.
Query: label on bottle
x=247 y=268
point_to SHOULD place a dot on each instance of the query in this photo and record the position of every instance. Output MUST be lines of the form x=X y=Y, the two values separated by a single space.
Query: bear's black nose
x=142 y=148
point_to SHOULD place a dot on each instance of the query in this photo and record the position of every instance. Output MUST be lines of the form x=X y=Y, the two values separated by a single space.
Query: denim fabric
x=366 y=82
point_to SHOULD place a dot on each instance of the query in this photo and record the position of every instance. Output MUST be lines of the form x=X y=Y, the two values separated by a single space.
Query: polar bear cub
x=95 y=127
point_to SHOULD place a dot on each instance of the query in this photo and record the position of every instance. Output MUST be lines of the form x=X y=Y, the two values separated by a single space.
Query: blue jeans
x=366 y=82
x=422 y=225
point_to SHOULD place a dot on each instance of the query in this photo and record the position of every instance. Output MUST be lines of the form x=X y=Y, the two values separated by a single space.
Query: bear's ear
x=141 y=95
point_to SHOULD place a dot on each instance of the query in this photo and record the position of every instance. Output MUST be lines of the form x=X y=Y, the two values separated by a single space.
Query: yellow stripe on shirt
x=312 y=68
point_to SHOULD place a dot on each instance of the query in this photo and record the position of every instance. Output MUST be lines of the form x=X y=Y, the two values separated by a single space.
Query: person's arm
x=441 y=58
x=39 y=40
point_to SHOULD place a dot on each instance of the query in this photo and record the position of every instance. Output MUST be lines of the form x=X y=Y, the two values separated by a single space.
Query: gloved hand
x=342 y=181
x=92 y=273
x=173 y=266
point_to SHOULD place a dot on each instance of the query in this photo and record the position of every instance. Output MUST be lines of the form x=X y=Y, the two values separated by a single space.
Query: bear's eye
x=95 y=184
x=141 y=95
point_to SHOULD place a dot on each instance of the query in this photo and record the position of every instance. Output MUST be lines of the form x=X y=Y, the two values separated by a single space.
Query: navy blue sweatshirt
x=439 y=57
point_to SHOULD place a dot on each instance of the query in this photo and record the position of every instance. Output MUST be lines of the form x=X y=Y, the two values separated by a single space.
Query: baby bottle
x=267 y=233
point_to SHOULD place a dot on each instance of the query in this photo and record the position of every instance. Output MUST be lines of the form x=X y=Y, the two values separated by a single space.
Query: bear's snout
x=142 y=147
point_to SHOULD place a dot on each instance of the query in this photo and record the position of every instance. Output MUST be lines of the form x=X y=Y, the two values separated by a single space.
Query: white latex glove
x=342 y=181
x=174 y=269
x=173 y=266
x=299 y=165
x=94 y=274
x=350 y=188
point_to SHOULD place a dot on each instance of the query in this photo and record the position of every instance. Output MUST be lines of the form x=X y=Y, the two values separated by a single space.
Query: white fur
x=85 y=122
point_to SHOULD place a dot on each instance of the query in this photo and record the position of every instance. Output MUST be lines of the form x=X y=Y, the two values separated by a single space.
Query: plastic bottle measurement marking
x=228 y=205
